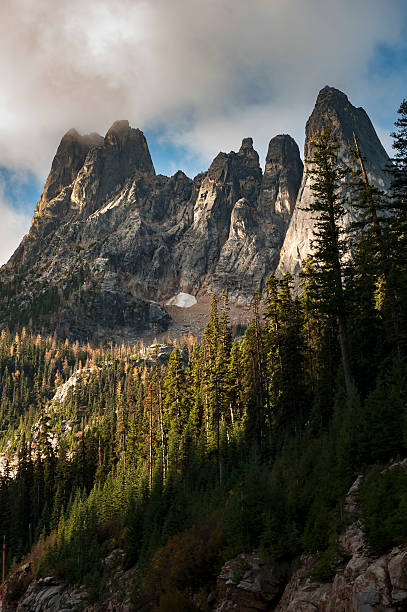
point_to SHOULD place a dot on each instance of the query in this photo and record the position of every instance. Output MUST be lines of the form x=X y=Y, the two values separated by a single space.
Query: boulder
x=248 y=583
x=51 y=595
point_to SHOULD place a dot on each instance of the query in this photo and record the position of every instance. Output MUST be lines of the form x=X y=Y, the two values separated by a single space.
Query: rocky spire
x=258 y=223
x=123 y=155
x=282 y=178
x=68 y=160
x=93 y=167
x=231 y=176
x=128 y=150
x=332 y=111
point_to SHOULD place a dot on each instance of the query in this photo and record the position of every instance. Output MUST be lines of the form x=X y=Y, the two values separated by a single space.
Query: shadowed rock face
x=282 y=178
x=123 y=155
x=332 y=111
x=258 y=226
x=68 y=160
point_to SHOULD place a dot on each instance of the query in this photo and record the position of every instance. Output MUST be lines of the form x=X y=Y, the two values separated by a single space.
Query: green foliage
x=329 y=242
x=231 y=446
x=327 y=565
x=383 y=497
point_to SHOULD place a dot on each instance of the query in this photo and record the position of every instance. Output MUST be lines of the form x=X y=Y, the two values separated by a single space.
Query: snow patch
x=183 y=300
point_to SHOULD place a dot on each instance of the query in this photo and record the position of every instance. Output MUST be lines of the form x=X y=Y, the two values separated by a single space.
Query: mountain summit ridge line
x=111 y=242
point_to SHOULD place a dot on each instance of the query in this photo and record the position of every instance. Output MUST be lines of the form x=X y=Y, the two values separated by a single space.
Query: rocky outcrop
x=257 y=229
x=123 y=156
x=248 y=584
x=332 y=111
x=230 y=177
x=240 y=219
x=86 y=171
x=282 y=179
x=69 y=159
x=363 y=582
x=51 y=595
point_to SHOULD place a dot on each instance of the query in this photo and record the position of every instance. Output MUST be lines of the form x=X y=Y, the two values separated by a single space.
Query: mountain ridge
x=112 y=242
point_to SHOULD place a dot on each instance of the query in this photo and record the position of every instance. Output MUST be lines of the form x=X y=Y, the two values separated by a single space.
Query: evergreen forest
x=235 y=443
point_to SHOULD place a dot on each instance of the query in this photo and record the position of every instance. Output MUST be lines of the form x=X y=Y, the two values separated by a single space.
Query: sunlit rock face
x=332 y=111
x=240 y=219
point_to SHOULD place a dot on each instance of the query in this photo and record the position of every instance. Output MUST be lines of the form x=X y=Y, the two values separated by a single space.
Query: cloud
x=13 y=226
x=206 y=74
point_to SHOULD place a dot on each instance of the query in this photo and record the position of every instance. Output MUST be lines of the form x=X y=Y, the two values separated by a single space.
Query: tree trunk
x=343 y=343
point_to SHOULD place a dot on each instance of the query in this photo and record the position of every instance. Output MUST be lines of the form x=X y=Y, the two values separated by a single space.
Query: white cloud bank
x=205 y=72
x=209 y=72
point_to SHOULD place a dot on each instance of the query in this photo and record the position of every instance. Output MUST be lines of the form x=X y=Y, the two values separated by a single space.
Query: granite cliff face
x=111 y=242
x=239 y=220
x=334 y=111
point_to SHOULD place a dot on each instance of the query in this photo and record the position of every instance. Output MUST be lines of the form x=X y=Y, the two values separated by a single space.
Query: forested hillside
x=235 y=444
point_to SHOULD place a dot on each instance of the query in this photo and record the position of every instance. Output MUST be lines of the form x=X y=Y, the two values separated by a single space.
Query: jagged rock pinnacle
x=247 y=143
x=282 y=177
x=333 y=111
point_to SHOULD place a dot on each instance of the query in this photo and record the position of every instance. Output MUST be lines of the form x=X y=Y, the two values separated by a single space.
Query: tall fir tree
x=329 y=243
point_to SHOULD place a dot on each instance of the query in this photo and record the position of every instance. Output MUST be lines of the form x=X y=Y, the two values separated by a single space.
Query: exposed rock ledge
x=51 y=594
x=363 y=583
x=248 y=583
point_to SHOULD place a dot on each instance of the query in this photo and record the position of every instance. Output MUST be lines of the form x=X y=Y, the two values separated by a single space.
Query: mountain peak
x=328 y=93
x=121 y=125
x=247 y=144
x=69 y=158
x=281 y=147
x=129 y=149
x=87 y=140
x=72 y=133
x=282 y=177
x=119 y=130
x=335 y=112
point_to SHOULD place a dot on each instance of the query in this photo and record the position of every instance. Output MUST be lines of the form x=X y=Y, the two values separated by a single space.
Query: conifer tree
x=256 y=394
x=370 y=286
x=235 y=383
x=222 y=361
x=398 y=194
x=286 y=354
x=174 y=403
x=211 y=379
x=329 y=243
